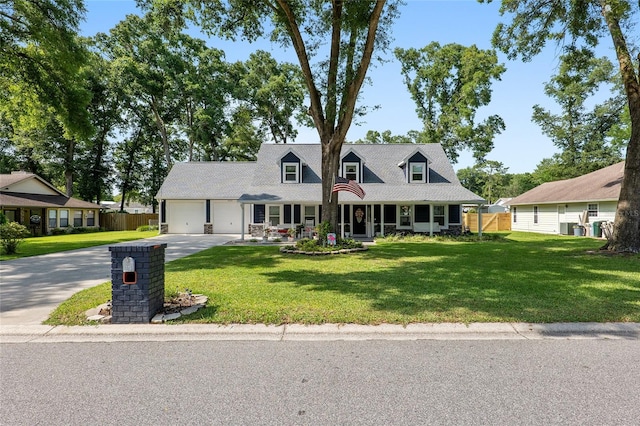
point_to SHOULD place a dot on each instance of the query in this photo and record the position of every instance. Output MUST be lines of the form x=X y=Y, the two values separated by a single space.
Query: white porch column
x=242 y=222
x=342 y=221
x=431 y=220
x=480 y=220
x=382 y=220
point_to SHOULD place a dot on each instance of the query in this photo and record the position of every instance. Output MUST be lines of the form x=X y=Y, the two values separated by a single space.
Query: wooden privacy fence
x=126 y=221
x=491 y=222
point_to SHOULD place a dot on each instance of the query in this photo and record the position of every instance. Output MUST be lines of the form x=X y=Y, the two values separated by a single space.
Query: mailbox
x=129 y=274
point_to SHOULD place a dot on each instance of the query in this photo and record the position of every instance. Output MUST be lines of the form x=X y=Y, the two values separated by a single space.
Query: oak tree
x=586 y=23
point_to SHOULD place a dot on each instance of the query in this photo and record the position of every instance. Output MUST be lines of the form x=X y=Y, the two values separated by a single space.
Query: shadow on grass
x=227 y=256
x=524 y=282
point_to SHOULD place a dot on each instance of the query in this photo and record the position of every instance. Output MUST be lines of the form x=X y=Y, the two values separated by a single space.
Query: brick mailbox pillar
x=137 y=281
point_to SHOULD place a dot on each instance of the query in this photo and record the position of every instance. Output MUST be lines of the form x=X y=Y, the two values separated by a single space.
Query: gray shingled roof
x=207 y=180
x=384 y=180
x=601 y=185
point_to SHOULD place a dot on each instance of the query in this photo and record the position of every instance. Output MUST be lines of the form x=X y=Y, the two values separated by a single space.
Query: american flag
x=344 y=184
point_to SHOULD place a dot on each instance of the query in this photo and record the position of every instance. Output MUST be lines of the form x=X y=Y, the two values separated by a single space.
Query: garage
x=186 y=217
x=227 y=217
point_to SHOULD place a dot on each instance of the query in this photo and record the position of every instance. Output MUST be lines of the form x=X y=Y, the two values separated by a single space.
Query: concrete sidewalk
x=325 y=332
x=32 y=287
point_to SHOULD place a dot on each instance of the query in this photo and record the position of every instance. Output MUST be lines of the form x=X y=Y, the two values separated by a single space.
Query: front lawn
x=34 y=246
x=521 y=278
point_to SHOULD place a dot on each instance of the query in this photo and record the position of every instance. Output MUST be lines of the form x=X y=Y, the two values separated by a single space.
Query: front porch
x=357 y=220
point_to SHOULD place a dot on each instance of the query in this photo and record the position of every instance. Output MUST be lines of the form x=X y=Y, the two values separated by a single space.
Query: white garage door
x=186 y=217
x=227 y=217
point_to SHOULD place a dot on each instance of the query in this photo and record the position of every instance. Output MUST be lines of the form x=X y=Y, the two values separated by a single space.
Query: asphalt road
x=508 y=382
x=32 y=287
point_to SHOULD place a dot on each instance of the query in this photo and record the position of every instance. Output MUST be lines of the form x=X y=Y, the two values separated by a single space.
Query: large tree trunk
x=626 y=230
x=330 y=165
x=68 y=168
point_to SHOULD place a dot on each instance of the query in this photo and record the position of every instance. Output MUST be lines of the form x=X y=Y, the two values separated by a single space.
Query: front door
x=359 y=220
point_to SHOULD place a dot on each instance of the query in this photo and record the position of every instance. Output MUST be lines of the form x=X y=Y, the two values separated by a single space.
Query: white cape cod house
x=409 y=187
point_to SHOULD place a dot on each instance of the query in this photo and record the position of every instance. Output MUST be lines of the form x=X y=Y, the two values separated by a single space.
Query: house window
x=515 y=214
x=53 y=219
x=438 y=215
x=535 y=214
x=290 y=172
x=274 y=215
x=64 y=218
x=593 y=210
x=417 y=173
x=91 y=218
x=310 y=214
x=405 y=216
x=351 y=171
x=77 y=218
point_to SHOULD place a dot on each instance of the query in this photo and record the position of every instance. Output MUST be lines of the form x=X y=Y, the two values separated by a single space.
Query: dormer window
x=290 y=173
x=351 y=171
x=417 y=172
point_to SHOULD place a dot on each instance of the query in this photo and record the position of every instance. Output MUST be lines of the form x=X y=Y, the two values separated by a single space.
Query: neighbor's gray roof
x=601 y=185
x=384 y=180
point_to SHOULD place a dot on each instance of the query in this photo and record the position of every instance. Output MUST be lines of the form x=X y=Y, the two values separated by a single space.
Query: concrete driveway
x=32 y=287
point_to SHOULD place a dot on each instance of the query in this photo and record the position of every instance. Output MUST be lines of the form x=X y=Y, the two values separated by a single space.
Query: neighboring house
x=555 y=207
x=132 y=207
x=500 y=206
x=28 y=199
x=408 y=188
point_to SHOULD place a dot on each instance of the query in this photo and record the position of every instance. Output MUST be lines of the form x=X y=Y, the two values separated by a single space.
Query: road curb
x=323 y=332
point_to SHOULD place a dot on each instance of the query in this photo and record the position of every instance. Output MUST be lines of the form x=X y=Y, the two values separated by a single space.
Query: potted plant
x=291 y=232
x=347 y=230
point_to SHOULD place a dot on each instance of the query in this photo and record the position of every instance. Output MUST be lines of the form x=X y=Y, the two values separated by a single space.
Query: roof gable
x=27 y=183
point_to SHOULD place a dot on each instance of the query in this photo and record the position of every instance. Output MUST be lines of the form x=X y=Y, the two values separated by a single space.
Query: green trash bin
x=597 y=229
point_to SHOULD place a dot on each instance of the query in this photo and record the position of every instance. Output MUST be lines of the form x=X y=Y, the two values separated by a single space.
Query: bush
x=145 y=228
x=306 y=244
x=58 y=231
x=11 y=235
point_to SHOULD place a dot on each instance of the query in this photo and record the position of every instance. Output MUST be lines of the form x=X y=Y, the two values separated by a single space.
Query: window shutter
x=454 y=213
x=296 y=213
x=422 y=213
x=287 y=213
x=390 y=213
x=258 y=213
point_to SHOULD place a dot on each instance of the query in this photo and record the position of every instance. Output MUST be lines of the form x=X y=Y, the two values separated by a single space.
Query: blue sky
x=520 y=147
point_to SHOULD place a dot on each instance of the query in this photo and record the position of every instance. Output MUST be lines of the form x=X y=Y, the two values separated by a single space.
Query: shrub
x=58 y=231
x=144 y=228
x=306 y=244
x=11 y=235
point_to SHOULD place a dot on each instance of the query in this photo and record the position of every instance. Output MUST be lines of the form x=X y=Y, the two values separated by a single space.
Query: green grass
x=56 y=243
x=520 y=278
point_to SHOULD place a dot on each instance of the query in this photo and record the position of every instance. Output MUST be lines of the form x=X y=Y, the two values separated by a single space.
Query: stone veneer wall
x=137 y=303
x=208 y=228
x=164 y=228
